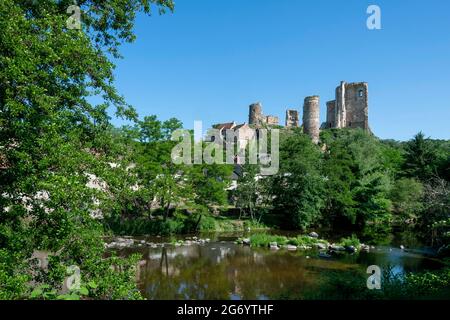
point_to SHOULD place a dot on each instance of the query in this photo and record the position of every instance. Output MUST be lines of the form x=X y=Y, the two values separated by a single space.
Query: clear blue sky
x=210 y=59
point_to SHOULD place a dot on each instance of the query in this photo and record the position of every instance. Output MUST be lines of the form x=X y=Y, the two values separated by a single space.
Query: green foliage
x=351 y=241
x=207 y=223
x=407 y=196
x=435 y=218
x=421 y=158
x=13 y=283
x=358 y=179
x=297 y=189
x=53 y=142
x=251 y=194
x=144 y=226
x=338 y=285
x=254 y=225
x=265 y=239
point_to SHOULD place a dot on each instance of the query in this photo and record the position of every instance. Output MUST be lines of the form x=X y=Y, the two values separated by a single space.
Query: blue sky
x=211 y=59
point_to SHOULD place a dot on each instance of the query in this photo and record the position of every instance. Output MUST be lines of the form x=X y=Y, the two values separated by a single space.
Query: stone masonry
x=311 y=112
x=351 y=107
x=256 y=116
x=292 y=119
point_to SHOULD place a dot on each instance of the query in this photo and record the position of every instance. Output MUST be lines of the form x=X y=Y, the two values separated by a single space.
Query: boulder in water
x=350 y=249
x=336 y=248
x=321 y=246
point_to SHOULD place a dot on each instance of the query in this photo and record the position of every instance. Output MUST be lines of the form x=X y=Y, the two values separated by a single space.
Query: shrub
x=352 y=241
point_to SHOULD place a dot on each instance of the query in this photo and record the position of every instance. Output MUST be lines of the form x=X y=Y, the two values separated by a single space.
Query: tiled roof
x=240 y=126
x=226 y=126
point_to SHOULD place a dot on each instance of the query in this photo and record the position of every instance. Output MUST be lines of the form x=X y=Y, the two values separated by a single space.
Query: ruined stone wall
x=331 y=114
x=311 y=115
x=351 y=107
x=255 y=114
x=292 y=119
x=340 y=111
x=357 y=106
x=272 y=120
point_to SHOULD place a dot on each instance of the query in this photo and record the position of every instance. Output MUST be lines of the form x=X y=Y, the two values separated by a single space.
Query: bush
x=339 y=285
x=207 y=223
x=352 y=241
x=144 y=226
x=264 y=240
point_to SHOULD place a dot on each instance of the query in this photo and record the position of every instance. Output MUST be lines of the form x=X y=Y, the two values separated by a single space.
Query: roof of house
x=241 y=126
x=226 y=126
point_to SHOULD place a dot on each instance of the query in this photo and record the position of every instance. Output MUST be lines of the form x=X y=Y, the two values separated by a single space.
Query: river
x=222 y=269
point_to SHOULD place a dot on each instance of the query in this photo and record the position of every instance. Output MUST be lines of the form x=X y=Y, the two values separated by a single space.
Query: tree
x=297 y=189
x=407 y=197
x=251 y=191
x=358 y=179
x=435 y=217
x=51 y=137
x=421 y=159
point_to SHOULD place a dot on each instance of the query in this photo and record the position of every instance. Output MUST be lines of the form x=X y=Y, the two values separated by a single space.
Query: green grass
x=264 y=240
x=351 y=241
x=179 y=224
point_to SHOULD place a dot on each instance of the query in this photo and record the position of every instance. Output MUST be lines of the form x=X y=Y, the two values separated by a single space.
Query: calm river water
x=223 y=270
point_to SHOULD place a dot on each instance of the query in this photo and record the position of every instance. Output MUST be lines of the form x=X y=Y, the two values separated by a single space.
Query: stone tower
x=255 y=116
x=331 y=110
x=311 y=111
x=351 y=107
x=292 y=119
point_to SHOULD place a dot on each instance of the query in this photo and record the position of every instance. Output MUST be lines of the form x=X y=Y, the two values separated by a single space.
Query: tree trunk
x=167 y=211
x=198 y=222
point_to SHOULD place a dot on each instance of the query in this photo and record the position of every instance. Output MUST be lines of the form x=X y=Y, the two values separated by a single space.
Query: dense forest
x=69 y=178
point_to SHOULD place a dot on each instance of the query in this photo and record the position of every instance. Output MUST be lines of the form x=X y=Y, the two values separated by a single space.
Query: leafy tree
x=421 y=159
x=251 y=191
x=435 y=218
x=358 y=179
x=52 y=138
x=297 y=189
x=407 y=197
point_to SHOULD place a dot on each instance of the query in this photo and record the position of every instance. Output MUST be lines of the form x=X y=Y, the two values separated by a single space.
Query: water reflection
x=223 y=270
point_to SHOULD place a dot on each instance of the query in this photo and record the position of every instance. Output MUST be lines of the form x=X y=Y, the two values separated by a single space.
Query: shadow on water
x=224 y=270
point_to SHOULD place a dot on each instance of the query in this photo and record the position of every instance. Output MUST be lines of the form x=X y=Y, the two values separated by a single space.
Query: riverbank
x=182 y=224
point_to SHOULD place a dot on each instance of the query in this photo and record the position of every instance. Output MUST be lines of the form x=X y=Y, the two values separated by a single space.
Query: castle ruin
x=292 y=119
x=350 y=109
x=311 y=116
x=256 y=116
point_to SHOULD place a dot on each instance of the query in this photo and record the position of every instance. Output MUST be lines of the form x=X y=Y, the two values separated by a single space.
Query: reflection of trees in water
x=219 y=271
x=184 y=276
x=241 y=272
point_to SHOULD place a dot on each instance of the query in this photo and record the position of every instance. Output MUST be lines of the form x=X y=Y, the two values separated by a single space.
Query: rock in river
x=321 y=246
x=335 y=247
x=350 y=249
x=365 y=248
x=274 y=246
x=314 y=235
